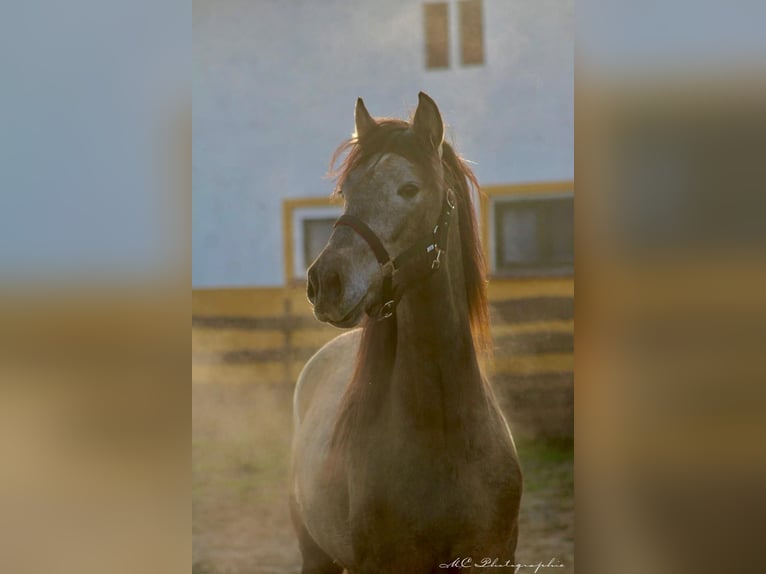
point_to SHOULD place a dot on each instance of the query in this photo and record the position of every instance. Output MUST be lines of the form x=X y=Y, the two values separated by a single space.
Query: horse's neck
x=436 y=383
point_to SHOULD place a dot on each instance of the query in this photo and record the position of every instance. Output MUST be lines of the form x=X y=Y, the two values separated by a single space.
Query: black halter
x=430 y=249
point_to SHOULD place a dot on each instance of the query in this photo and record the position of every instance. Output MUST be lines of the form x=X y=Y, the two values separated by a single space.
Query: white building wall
x=275 y=83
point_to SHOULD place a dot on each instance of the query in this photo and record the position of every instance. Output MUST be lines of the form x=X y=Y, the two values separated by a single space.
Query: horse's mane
x=375 y=358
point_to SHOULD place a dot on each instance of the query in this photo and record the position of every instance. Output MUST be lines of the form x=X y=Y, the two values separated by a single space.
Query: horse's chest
x=416 y=492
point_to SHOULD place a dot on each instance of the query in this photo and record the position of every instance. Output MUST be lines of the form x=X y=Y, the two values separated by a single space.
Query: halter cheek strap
x=385 y=261
x=367 y=234
x=431 y=248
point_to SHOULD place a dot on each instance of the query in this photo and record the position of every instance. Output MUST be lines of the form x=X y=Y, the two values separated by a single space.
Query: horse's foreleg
x=315 y=560
x=512 y=542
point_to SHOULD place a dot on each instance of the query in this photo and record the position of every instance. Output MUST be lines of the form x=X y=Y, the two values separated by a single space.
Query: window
x=471 y=32
x=307 y=227
x=316 y=233
x=437 y=35
x=533 y=235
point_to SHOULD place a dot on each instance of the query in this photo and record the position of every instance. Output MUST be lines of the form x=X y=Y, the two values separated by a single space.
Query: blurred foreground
x=240 y=453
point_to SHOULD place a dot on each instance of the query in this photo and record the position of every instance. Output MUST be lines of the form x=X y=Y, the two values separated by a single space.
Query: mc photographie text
x=498 y=563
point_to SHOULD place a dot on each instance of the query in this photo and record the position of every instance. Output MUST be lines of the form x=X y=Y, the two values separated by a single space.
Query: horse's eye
x=408 y=190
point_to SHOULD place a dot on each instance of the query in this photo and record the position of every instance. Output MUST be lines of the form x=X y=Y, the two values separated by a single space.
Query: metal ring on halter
x=451 y=199
x=387 y=310
x=436 y=262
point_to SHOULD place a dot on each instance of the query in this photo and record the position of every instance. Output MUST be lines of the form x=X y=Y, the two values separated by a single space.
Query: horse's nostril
x=333 y=286
x=325 y=286
x=311 y=290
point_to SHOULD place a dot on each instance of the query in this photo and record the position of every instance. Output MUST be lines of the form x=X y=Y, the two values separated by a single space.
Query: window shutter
x=471 y=32
x=436 y=19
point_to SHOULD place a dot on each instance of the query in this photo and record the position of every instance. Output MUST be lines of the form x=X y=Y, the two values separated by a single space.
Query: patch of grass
x=547 y=465
x=546 y=450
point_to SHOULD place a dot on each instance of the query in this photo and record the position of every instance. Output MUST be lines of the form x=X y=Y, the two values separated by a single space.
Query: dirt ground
x=240 y=450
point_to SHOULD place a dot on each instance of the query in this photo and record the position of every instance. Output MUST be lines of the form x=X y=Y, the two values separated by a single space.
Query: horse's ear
x=363 y=121
x=428 y=122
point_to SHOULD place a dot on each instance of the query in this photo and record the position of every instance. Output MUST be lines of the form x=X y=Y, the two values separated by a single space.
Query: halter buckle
x=389 y=268
x=387 y=310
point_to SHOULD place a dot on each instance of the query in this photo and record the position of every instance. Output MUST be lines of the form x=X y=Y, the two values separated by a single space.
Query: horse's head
x=392 y=185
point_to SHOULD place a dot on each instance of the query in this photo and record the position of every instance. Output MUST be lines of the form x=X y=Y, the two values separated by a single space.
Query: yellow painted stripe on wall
x=498 y=289
x=254 y=302
x=270 y=301
x=298 y=299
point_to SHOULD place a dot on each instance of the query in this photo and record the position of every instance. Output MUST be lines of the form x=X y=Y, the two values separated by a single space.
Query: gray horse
x=402 y=460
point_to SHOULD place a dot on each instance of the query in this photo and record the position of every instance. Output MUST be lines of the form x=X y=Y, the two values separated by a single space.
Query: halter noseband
x=431 y=247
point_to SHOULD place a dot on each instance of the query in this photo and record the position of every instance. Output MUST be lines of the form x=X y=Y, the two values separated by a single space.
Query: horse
x=402 y=460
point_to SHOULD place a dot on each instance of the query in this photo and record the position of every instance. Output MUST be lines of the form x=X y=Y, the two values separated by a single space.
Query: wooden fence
x=265 y=336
